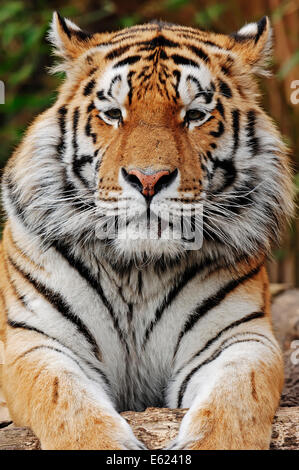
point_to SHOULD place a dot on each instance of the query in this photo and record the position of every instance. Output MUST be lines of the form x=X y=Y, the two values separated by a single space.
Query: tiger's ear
x=253 y=43
x=68 y=39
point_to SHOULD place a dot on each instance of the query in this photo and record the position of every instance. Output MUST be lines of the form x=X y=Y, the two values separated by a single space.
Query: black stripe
x=90 y=107
x=81 y=35
x=199 y=52
x=128 y=61
x=207 y=361
x=219 y=131
x=225 y=70
x=94 y=283
x=209 y=156
x=213 y=44
x=177 y=75
x=115 y=79
x=187 y=276
x=64 y=25
x=158 y=41
x=89 y=87
x=134 y=29
x=229 y=175
x=210 y=119
x=92 y=71
x=236 y=128
x=88 y=130
x=52 y=348
x=101 y=96
x=253 y=141
x=60 y=304
x=261 y=25
x=129 y=80
x=225 y=89
x=14 y=198
x=160 y=54
x=207 y=93
x=76 y=116
x=76 y=202
x=191 y=35
x=180 y=60
x=212 y=302
x=117 y=52
x=77 y=165
x=220 y=108
x=25 y=326
x=140 y=282
x=236 y=323
x=62 y=111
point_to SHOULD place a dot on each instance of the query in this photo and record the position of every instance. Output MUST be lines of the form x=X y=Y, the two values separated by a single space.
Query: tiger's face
x=151 y=120
x=156 y=119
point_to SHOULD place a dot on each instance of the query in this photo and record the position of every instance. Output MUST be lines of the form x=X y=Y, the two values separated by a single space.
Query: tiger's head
x=154 y=119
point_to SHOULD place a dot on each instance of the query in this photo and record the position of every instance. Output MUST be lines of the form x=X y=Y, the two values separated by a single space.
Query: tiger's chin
x=147 y=249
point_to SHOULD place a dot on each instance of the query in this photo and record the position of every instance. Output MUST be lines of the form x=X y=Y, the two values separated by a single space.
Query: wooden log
x=12 y=438
x=157 y=426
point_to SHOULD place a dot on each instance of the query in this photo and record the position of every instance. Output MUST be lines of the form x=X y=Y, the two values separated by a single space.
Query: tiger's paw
x=205 y=429
x=111 y=433
x=192 y=432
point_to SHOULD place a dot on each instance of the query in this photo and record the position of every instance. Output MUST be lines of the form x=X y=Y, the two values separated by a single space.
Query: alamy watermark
x=295 y=354
x=295 y=94
x=185 y=225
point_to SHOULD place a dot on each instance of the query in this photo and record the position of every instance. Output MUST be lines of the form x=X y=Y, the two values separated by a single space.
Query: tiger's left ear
x=68 y=39
x=253 y=43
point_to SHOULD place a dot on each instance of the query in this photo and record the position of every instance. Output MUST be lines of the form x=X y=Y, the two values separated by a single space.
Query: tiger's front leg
x=47 y=389
x=232 y=396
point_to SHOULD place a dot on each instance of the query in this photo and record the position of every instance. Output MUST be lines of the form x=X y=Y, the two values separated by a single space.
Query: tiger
x=153 y=119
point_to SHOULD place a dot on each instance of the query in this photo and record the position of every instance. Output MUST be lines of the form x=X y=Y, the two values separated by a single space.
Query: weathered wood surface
x=285 y=314
x=12 y=438
x=157 y=426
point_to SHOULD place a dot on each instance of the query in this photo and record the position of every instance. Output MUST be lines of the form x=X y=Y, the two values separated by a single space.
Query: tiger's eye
x=113 y=113
x=194 y=115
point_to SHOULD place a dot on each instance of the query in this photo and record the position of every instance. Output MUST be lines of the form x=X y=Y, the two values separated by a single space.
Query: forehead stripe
x=199 y=52
x=180 y=60
x=158 y=41
x=128 y=61
x=117 y=52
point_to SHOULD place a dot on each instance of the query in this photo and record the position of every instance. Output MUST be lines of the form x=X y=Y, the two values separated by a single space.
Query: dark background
x=25 y=56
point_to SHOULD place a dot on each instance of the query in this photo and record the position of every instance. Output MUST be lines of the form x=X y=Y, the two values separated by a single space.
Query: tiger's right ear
x=68 y=39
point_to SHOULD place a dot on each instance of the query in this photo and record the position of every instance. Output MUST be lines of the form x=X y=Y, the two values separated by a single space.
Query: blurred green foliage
x=24 y=56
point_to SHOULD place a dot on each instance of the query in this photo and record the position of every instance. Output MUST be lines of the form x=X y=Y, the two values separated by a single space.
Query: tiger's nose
x=149 y=184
